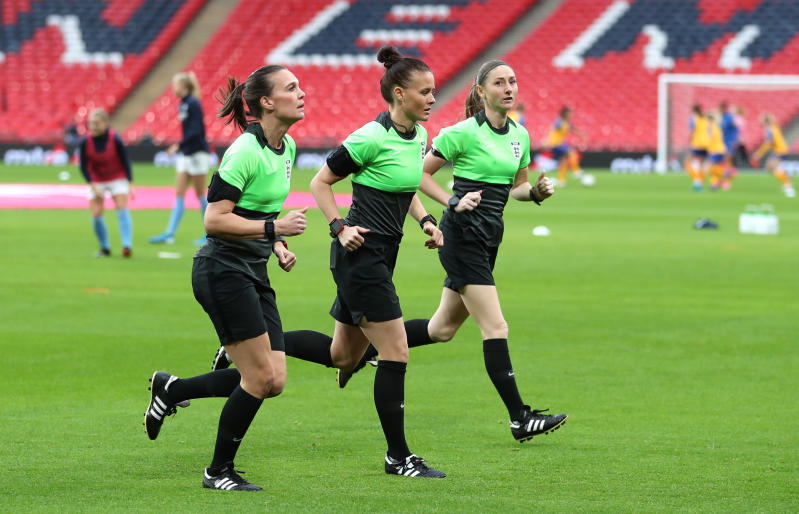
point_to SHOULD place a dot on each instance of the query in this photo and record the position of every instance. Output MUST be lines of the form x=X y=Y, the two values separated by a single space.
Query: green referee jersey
x=389 y=172
x=483 y=153
x=484 y=158
x=260 y=177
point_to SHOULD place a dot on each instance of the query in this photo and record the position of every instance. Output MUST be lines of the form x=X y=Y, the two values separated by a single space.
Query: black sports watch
x=336 y=227
x=533 y=196
x=426 y=218
x=269 y=229
x=453 y=202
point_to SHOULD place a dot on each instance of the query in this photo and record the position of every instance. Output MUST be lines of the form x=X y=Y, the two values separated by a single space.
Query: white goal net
x=753 y=94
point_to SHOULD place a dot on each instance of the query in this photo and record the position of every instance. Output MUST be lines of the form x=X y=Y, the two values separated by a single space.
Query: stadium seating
x=603 y=57
x=61 y=58
x=610 y=75
x=331 y=46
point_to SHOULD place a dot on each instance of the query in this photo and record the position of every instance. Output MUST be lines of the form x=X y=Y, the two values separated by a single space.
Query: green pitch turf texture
x=673 y=351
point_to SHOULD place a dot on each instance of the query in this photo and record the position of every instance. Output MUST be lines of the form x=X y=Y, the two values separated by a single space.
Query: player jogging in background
x=490 y=155
x=229 y=273
x=731 y=132
x=775 y=149
x=105 y=165
x=193 y=154
x=517 y=114
x=700 y=139
x=557 y=140
x=716 y=151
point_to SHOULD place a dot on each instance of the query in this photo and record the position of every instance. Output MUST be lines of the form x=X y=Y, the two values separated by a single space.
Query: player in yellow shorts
x=562 y=152
x=775 y=149
x=700 y=140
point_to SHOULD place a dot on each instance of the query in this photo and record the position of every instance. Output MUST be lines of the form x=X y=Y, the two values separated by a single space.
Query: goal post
x=677 y=92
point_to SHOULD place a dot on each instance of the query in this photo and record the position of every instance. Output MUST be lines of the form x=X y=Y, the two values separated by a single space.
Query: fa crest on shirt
x=288 y=169
x=517 y=149
x=423 y=147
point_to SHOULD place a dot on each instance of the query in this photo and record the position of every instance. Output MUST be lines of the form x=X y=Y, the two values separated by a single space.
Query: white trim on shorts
x=120 y=186
x=194 y=164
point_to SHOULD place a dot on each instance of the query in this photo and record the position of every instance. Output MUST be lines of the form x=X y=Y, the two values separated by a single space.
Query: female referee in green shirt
x=384 y=159
x=229 y=276
x=490 y=154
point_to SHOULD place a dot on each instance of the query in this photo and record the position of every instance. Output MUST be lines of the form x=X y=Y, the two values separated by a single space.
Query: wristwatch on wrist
x=426 y=218
x=336 y=227
x=453 y=202
x=533 y=196
x=269 y=229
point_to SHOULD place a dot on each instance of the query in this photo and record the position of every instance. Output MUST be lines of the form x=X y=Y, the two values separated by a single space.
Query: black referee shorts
x=363 y=280
x=240 y=307
x=465 y=257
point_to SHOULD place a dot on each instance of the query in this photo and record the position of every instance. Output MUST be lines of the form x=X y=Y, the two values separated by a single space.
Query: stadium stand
x=331 y=46
x=80 y=54
x=603 y=57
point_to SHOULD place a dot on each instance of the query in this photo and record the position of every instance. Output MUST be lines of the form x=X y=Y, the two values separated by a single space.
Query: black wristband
x=426 y=218
x=533 y=198
x=269 y=229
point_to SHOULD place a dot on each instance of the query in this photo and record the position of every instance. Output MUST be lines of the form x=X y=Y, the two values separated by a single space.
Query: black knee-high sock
x=214 y=384
x=237 y=414
x=309 y=346
x=415 y=330
x=497 y=361
x=390 y=404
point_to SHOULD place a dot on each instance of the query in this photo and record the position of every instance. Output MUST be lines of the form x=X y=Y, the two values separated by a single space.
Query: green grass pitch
x=673 y=351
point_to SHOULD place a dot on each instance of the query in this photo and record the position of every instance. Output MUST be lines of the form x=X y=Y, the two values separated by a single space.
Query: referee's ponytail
x=249 y=92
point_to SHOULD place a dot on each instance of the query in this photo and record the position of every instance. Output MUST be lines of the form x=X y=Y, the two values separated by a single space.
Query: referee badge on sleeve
x=288 y=169
x=517 y=149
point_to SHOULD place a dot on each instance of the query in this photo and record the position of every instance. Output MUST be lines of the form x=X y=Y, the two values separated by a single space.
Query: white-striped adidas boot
x=533 y=422
x=228 y=480
x=221 y=360
x=412 y=466
x=160 y=407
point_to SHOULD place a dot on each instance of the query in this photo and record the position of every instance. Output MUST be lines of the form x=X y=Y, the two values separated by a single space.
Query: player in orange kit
x=700 y=139
x=775 y=149
x=562 y=152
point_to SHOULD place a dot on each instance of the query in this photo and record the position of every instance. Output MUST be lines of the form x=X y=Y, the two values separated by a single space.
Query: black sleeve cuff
x=438 y=153
x=341 y=163
x=221 y=190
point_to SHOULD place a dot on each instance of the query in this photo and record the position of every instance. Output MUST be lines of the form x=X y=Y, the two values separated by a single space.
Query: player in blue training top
x=105 y=165
x=193 y=154
x=731 y=133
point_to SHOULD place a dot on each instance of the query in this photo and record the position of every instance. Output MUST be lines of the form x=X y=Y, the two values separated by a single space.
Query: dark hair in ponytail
x=474 y=103
x=248 y=92
x=398 y=70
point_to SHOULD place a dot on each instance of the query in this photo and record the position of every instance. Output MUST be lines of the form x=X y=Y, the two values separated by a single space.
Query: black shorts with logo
x=240 y=307
x=364 y=286
x=465 y=256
